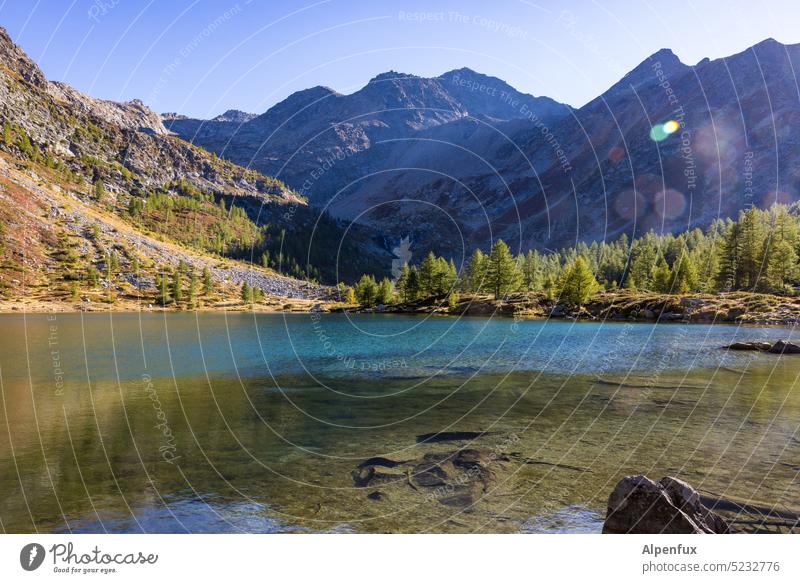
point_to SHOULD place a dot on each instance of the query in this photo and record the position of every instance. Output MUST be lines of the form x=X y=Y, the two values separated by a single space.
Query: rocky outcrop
x=779 y=347
x=131 y=115
x=639 y=505
x=18 y=63
x=453 y=478
x=749 y=346
x=784 y=347
x=121 y=144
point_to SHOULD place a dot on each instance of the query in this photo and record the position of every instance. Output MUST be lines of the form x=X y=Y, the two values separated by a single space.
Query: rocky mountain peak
x=391 y=76
x=14 y=58
x=235 y=116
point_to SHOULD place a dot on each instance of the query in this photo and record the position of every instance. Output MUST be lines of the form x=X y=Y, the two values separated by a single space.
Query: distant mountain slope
x=464 y=157
x=297 y=138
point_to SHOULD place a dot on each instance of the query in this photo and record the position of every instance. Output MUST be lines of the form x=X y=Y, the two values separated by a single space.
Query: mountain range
x=448 y=163
x=455 y=161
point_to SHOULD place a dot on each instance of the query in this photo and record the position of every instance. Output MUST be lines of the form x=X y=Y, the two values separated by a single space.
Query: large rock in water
x=453 y=478
x=639 y=505
x=785 y=347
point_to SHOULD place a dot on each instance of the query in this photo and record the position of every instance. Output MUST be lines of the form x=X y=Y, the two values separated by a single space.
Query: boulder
x=785 y=347
x=749 y=346
x=453 y=478
x=639 y=505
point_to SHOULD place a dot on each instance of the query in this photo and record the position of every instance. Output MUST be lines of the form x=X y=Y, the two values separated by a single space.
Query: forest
x=757 y=252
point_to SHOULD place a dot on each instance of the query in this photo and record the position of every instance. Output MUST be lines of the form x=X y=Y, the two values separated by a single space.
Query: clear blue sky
x=201 y=57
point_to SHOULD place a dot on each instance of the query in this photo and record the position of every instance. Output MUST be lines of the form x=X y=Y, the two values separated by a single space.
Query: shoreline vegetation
x=736 y=271
x=614 y=306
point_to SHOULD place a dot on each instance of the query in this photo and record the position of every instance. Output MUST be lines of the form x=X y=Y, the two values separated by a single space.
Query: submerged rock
x=639 y=505
x=453 y=436
x=749 y=346
x=785 y=347
x=454 y=478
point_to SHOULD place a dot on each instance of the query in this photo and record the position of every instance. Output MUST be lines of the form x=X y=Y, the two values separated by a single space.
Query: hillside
x=99 y=201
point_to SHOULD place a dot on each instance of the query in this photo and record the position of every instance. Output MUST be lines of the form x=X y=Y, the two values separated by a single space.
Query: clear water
x=253 y=423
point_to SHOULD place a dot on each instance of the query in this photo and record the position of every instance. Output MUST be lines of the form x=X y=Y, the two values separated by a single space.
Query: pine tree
x=684 y=274
x=412 y=287
x=752 y=252
x=476 y=271
x=8 y=138
x=502 y=273
x=208 y=284
x=532 y=271
x=782 y=265
x=367 y=291
x=193 y=284
x=349 y=296
x=428 y=275
x=246 y=293
x=177 y=285
x=265 y=259
x=729 y=274
x=661 y=276
x=577 y=283
x=385 y=292
x=402 y=283
x=163 y=289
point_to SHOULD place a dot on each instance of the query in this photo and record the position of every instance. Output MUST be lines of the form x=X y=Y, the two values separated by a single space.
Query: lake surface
x=240 y=422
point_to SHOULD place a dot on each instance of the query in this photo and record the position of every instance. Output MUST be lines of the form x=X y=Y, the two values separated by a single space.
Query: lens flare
x=657 y=133
x=661 y=131
x=671 y=126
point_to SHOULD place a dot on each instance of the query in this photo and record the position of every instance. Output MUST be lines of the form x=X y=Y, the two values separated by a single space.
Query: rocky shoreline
x=623 y=305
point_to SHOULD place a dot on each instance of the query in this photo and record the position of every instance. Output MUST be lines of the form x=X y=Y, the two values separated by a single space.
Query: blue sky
x=202 y=57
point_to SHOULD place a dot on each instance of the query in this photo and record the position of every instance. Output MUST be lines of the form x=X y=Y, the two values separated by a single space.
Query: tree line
x=758 y=251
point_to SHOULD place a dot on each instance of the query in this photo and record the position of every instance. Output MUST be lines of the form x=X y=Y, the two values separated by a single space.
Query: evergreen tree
x=349 y=296
x=8 y=139
x=193 y=284
x=385 y=292
x=782 y=266
x=684 y=274
x=662 y=277
x=402 y=283
x=177 y=286
x=476 y=271
x=502 y=273
x=532 y=271
x=163 y=289
x=367 y=291
x=752 y=251
x=428 y=273
x=729 y=275
x=412 y=286
x=246 y=294
x=208 y=284
x=577 y=283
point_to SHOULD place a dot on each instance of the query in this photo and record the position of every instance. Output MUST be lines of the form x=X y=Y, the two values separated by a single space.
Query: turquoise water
x=123 y=346
x=242 y=422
